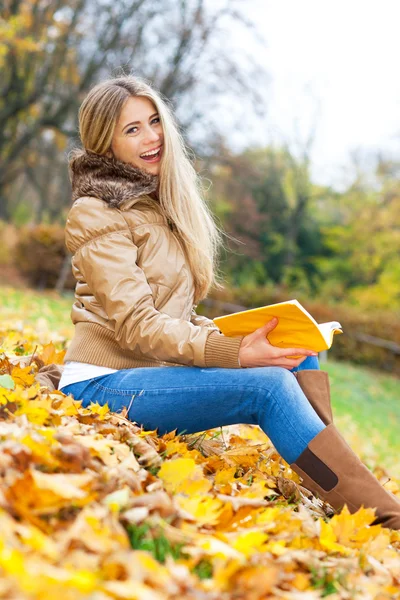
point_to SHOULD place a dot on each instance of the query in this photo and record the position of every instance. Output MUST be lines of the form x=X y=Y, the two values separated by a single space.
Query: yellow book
x=296 y=327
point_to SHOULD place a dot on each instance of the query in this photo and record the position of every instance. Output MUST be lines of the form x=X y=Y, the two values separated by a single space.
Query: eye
x=131 y=130
x=155 y=120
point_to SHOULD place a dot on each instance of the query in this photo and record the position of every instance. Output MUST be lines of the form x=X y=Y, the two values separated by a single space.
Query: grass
x=365 y=402
x=366 y=408
x=30 y=306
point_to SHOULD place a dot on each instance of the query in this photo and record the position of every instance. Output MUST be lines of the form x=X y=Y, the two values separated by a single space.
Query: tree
x=264 y=199
x=364 y=239
x=51 y=53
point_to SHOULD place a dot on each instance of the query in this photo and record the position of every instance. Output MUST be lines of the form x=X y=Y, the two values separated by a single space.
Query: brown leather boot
x=315 y=385
x=330 y=469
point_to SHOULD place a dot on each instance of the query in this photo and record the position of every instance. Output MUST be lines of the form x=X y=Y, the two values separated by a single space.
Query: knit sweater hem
x=96 y=345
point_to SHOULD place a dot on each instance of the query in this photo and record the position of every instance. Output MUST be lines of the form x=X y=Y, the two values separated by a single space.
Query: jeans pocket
x=116 y=399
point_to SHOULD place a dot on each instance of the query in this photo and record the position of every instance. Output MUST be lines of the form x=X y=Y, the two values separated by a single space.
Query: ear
x=109 y=153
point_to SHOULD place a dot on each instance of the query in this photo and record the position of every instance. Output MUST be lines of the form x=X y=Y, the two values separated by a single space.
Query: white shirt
x=79 y=371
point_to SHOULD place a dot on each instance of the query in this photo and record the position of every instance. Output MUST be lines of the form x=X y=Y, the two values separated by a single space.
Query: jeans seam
x=127 y=392
x=117 y=392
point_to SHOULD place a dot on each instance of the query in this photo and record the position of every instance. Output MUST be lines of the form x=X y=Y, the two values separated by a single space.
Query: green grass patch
x=366 y=408
x=143 y=537
x=28 y=306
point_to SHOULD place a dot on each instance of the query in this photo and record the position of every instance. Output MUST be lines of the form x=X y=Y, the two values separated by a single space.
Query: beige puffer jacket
x=134 y=291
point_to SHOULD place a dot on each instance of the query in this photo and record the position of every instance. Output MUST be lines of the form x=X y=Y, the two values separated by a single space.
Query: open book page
x=328 y=330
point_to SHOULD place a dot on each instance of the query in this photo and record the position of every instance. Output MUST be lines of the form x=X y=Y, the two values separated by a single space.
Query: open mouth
x=152 y=155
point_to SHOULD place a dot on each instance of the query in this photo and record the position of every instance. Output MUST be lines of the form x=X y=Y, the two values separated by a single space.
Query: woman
x=144 y=248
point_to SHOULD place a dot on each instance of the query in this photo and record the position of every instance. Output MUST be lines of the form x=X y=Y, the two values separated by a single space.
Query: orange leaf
x=49 y=355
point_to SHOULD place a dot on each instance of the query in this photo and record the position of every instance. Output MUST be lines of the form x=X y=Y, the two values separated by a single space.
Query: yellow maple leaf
x=196 y=486
x=224 y=476
x=277 y=548
x=258 y=489
x=151 y=432
x=205 y=509
x=175 y=473
x=67 y=404
x=233 y=519
x=98 y=409
x=22 y=376
x=50 y=355
x=253 y=432
x=250 y=542
x=353 y=530
x=301 y=542
x=328 y=539
x=35 y=493
x=240 y=455
x=175 y=447
x=37 y=411
x=268 y=515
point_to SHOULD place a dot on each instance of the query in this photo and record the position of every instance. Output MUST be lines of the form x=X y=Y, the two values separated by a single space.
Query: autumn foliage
x=93 y=506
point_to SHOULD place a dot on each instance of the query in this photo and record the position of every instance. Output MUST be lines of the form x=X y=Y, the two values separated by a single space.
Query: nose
x=151 y=135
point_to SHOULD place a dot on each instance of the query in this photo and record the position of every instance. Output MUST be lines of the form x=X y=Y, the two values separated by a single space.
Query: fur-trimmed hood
x=116 y=182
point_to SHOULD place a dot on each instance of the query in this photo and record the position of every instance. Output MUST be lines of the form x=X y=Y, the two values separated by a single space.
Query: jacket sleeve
x=106 y=256
x=202 y=321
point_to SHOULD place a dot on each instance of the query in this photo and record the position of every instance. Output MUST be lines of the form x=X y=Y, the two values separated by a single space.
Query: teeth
x=150 y=153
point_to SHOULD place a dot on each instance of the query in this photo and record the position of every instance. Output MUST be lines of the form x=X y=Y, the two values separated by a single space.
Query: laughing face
x=138 y=135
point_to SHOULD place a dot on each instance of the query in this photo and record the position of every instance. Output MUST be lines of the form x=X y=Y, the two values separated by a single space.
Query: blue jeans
x=192 y=399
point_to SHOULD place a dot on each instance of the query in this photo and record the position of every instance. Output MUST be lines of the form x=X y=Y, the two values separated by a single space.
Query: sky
x=334 y=65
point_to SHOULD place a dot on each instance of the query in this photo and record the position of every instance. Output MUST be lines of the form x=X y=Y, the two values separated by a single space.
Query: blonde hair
x=180 y=192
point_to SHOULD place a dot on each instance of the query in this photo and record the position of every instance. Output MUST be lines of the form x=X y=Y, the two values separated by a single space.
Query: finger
x=290 y=363
x=280 y=361
x=282 y=354
x=262 y=331
x=296 y=352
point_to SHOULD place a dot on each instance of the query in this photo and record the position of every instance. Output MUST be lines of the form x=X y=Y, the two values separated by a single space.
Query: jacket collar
x=116 y=182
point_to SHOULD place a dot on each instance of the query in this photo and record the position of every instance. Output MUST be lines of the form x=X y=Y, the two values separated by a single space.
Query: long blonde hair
x=180 y=191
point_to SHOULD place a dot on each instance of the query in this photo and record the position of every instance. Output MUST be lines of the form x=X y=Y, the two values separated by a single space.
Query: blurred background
x=292 y=111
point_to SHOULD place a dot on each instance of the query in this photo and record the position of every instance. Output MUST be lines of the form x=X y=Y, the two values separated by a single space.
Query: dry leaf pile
x=93 y=507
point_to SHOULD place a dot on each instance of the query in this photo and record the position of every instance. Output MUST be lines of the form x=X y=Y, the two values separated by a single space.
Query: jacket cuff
x=222 y=351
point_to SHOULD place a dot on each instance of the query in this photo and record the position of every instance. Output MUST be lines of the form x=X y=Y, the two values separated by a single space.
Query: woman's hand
x=256 y=351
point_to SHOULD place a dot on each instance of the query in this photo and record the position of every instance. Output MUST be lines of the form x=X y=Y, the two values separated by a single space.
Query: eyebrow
x=138 y=122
